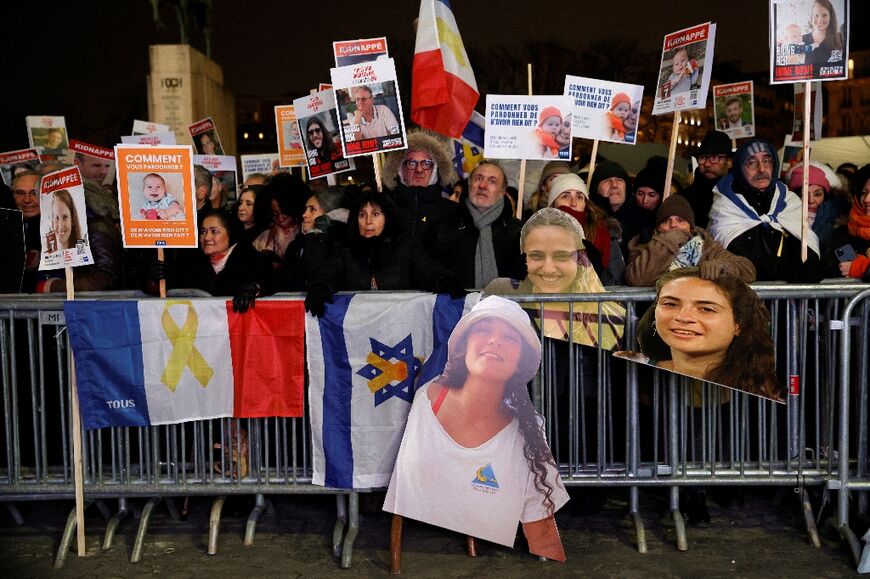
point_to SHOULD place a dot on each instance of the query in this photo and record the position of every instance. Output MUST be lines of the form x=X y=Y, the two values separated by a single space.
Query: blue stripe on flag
x=473 y=133
x=337 y=396
x=445 y=316
x=107 y=345
x=446 y=3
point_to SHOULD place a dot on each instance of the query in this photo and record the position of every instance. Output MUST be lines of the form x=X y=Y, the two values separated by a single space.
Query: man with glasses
x=756 y=216
x=714 y=162
x=371 y=120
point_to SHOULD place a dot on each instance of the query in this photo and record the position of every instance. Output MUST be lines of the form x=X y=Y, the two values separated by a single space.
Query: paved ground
x=759 y=538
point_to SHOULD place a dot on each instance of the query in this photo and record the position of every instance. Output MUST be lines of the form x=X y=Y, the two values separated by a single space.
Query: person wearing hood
x=714 y=162
x=416 y=178
x=609 y=190
x=756 y=216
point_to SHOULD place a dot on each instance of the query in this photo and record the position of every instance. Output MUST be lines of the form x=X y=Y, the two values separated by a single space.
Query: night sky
x=88 y=60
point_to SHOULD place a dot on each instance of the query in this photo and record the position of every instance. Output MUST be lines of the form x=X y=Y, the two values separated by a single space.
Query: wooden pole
x=672 y=151
x=376 y=161
x=592 y=166
x=161 y=259
x=76 y=437
x=805 y=196
x=521 y=186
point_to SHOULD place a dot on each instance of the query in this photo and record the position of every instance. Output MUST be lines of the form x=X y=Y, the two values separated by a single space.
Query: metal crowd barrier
x=610 y=423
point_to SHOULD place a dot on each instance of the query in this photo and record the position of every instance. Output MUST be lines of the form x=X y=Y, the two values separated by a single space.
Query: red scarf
x=859 y=222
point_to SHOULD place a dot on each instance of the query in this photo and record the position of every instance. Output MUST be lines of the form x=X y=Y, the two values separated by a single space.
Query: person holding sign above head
x=371 y=120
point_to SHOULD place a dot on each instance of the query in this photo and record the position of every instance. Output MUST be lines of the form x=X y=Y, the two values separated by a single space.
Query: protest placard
x=684 y=76
x=95 y=163
x=369 y=109
x=63 y=228
x=12 y=162
x=321 y=141
x=156 y=195
x=149 y=139
x=290 y=153
x=350 y=52
x=48 y=136
x=322 y=86
x=603 y=110
x=527 y=127
x=816 y=103
x=734 y=109
x=205 y=137
x=792 y=155
x=146 y=128
x=809 y=40
x=264 y=164
x=224 y=168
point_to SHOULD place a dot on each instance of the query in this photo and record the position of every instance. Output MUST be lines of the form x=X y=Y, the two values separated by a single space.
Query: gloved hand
x=321 y=224
x=157 y=270
x=451 y=285
x=316 y=299
x=245 y=297
x=711 y=269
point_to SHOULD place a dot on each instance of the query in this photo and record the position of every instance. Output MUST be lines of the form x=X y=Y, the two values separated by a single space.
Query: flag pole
x=376 y=162
x=76 y=436
x=521 y=186
x=592 y=164
x=672 y=151
x=805 y=198
x=160 y=258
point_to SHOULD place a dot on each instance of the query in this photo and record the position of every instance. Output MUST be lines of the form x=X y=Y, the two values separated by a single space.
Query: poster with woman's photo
x=205 y=137
x=528 y=127
x=603 y=110
x=63 y=227
x=49 y=136
x=715 y=330
x=321 y=138
x=809 y=40
x=225 y=169
x=14 y=162
x=290 y=153
x=369 y=107
x=684 y=76
x=156 y=195
x=734 y=109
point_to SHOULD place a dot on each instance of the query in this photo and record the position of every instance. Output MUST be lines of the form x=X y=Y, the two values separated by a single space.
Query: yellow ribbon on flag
x=184 y=351
x=391 y=371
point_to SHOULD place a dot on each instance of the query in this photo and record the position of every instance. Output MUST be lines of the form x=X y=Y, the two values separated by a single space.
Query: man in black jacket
x=714 y=162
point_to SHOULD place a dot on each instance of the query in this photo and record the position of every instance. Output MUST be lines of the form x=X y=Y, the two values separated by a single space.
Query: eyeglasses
x=712 y=159
x=314 y=131
x=426 y=164
x=557 y=256
x=23 y=193
x=754 y=164
x=362 y=99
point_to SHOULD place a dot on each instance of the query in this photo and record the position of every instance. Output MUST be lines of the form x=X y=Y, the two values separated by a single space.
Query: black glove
x=318 y=296
x=157 y=270
x=451 y=285
x=245 y=297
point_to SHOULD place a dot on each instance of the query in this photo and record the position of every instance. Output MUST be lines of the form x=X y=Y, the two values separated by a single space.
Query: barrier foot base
x=113 y=523
x=105 y=511
x=15 y=514
x=852 y=542
x=639 y=531
x=66 y=540
x=396 y=545
x=812 y=530
x=214 y=521
x=340 y=522
x=680 y=530
x=251 y=526
x=173 y=510
x=144 y=519
x=352 y=530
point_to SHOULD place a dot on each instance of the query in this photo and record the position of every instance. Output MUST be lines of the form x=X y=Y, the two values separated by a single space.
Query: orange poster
x=290 y=153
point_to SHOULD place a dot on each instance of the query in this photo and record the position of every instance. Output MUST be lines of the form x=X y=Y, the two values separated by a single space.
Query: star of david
x=391 y=370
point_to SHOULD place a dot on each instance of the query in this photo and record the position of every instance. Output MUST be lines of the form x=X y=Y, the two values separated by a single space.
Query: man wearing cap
x=756 y=216
x=678 y=242
x=714 y=162
x=608 y=189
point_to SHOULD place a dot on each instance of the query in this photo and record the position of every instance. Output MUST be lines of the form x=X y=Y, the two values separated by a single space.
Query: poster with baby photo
x=369 y=107
x=205 y=137
x=734 y=109
x=684 y=76
x=321 y=139
x=350 y=52
x=603 y=110
x=156 y=195
x=48 y=136
x=149 y=139
x=527 y=127
x=224 y=168
x=809 y=40
x=95 y=163
x=290 y=153
x=14 y=162
x=146 y=128
x=63 y=228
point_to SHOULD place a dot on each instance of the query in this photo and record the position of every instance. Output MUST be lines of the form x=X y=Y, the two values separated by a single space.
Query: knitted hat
x=564 y=183
x=606 y=170
x=547 y=113
x=620 y=97
x=554 y=168
x=650 y=177
x=820 y=175
x=715 y=143
x=743 y=154
x=676 y=205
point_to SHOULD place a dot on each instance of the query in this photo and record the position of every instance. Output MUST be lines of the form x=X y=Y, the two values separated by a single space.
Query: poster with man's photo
x=816 y=103
x=156 y=195
x=734 y=109
x=146 y=128
x=369 y=108
x=528 y=127
x=14 y=162
x=603 y=110
x=290 y=153
x=48 y=135
x=95 y=163
x=205 y=137
x=321 y=138
x=224 y=168
x=350 y=52
x=684 y=76
x=63 y=227
x=809 y=40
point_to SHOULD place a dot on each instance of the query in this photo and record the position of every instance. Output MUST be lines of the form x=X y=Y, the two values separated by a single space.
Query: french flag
x=150 y=362
x=443 y=89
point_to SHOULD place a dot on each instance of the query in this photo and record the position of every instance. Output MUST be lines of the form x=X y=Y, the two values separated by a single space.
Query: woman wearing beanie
x=857 y=231
x=677 y=242
x=824 y=210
